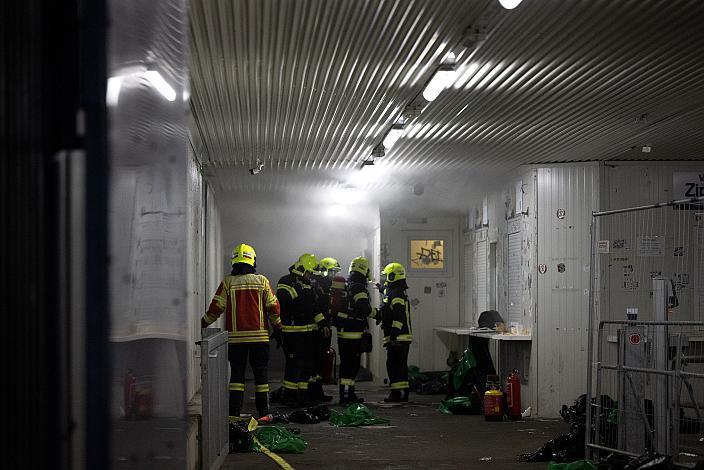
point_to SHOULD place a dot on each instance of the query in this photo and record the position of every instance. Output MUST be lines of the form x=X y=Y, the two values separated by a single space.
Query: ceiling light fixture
x=443 y=78
x=116 y=82
x=160 y=84
x=510 y=4
x=394 y=134
x=378 y=151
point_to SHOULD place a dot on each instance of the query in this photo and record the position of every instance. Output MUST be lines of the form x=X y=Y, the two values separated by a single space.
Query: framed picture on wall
x=427 y=254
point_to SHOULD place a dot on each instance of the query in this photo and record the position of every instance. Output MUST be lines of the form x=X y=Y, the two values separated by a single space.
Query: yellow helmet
x=306 y=263
x=244 y=253
x=360 y=265
x=394 y=272
x=329 y=264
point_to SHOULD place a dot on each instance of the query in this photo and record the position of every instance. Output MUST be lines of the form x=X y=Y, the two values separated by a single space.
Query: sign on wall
x=687 y=184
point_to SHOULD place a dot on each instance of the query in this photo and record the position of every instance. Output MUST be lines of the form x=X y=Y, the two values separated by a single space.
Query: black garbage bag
x=240 y=438
x=567 y=447
x=435 y=386
x=277 y=395
x=303 y=417
x=321 y=412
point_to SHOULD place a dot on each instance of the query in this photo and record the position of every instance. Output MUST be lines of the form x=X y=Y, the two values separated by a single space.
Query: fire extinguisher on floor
x=513 y=395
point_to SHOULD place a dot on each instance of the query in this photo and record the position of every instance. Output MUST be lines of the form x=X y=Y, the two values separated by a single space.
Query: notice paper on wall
x=651 y=246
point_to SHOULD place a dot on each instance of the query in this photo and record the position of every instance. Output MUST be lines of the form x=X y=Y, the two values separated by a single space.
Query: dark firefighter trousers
x=350 y=357
x=299 y=360
x=320 y=346
x=397 y=365
x=258 y=354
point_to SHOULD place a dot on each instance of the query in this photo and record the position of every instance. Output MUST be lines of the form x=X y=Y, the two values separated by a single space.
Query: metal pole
x=693 y=200
x=590 y=336
x=597 y=420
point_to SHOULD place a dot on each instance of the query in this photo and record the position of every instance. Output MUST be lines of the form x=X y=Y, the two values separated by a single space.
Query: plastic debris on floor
x=249 y=437
x=577 y=465
x=280 y=440
x=569 y=447
x=427 y=383
x=355 y=415
x=459 y=406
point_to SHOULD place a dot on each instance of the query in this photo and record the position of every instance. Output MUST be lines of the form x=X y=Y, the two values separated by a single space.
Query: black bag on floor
x=240 y=438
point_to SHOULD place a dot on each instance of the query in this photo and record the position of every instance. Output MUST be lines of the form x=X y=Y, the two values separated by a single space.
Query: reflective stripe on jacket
x=397 y=316
x=245 y=299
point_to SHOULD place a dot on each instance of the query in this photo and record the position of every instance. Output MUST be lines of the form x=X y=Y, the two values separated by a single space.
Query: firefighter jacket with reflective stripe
x=321 y=288
x=298 y=305
x=352 y=323
x=396 y=313
x=244 y=299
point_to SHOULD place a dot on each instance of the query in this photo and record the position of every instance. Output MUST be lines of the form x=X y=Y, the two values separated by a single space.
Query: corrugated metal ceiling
x=315 y=84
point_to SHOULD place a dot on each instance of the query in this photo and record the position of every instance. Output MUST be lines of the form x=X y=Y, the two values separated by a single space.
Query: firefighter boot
x=262 y=401
x=302 y=398
x=290 y=398
x=394 y=397
x=404 y=395
x=352 y=397
x=319 y=392
x=236 y=398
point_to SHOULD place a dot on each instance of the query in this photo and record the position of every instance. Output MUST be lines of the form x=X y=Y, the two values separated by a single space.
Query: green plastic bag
x=467 y=363
x=577 y=465
x=355 y=415
x=414 y=373
x=279 y=440
x=454 y=403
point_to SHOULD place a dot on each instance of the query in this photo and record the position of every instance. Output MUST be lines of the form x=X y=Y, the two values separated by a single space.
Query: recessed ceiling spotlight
x=510 y=4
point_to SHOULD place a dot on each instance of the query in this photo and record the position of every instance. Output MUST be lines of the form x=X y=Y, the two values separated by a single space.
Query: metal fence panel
x=214 y=379
x=646 y=335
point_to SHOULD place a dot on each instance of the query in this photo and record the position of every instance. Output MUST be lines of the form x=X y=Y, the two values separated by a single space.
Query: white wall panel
x=515 y=292
x=435 y=297
x=195 y=272
x=468 y=279
x=481 y=272
x=563 y=294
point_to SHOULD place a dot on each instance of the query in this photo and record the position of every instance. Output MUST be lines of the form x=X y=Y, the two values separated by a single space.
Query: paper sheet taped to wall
x=651 y=246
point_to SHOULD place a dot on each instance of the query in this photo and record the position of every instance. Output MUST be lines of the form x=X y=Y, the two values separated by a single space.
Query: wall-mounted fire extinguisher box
x=513 y=395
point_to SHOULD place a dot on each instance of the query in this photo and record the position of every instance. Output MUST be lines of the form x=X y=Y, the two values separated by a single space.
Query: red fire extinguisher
x=513 y=395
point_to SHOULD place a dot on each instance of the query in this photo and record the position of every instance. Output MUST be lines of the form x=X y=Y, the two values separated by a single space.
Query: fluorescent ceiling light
x=116 y=82
x=344 y=196
x=160 y=84
x=113 y=93
x=442 y=79
x=394 y=134
x=510 y=4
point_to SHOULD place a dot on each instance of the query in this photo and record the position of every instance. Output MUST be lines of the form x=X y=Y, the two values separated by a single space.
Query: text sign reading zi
x=686 y=185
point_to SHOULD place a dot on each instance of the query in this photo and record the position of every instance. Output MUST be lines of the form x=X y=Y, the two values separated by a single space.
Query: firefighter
x=244 y=297
x=300 y=317
x=350 y=326
x=398 y=331
x=322 y=281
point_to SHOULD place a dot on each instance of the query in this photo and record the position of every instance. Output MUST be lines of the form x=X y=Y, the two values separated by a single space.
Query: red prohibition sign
x=634 y=338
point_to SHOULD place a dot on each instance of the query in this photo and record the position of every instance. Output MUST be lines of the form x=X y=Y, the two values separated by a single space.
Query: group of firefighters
x=299 y=315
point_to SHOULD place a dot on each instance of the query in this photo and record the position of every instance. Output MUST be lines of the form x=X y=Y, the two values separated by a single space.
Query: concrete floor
x=418 y=436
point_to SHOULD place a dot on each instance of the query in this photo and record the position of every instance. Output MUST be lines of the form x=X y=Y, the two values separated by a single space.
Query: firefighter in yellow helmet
x=322 y=282
x=350 y=327
x=244 y=296
x=300 y=315
x=398 y=331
